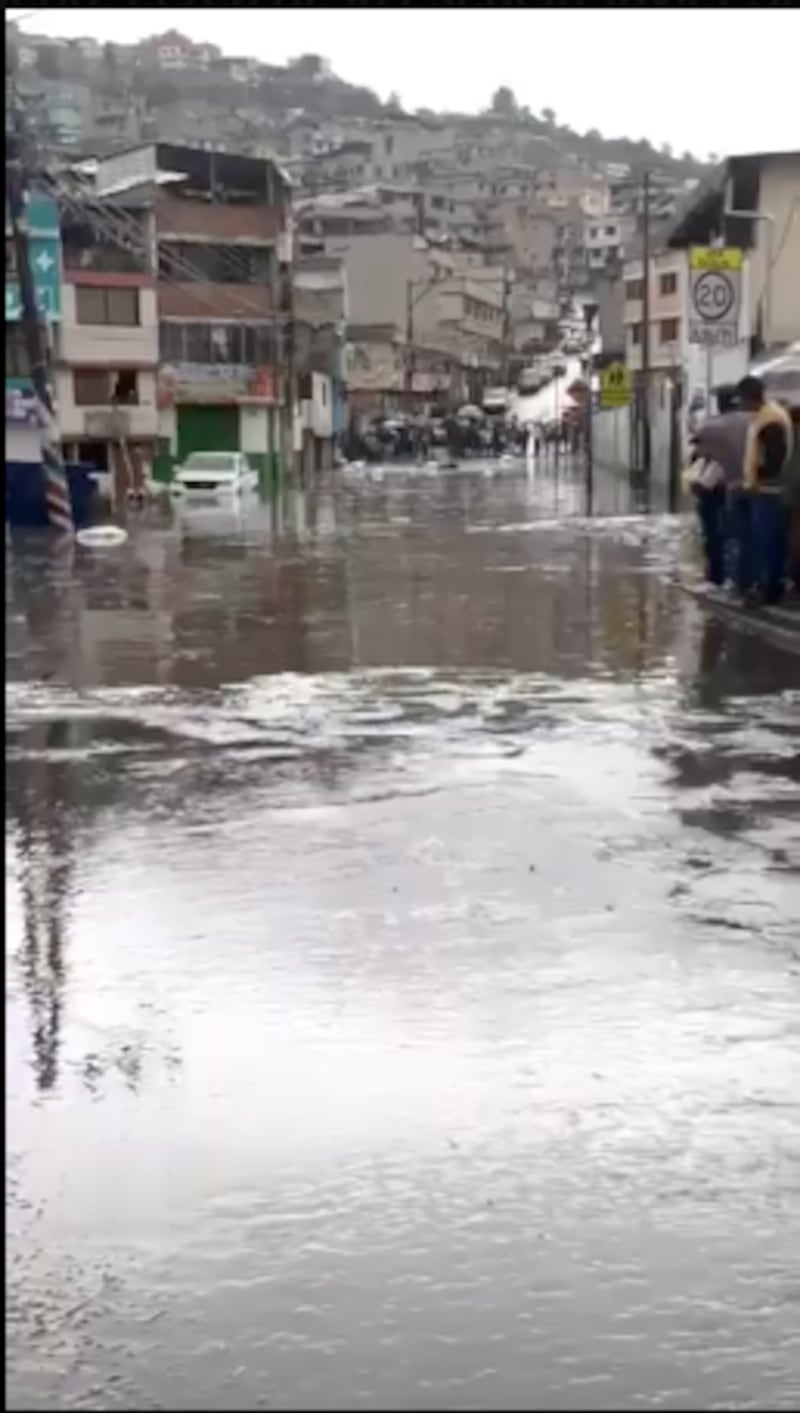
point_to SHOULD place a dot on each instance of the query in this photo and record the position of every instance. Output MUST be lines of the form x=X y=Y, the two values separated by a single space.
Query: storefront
x=218 y=408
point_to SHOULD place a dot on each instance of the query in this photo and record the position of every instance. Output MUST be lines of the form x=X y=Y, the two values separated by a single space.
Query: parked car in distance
x=214 y=472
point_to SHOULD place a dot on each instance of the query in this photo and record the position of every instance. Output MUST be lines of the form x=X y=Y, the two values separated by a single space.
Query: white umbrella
x=470 y=412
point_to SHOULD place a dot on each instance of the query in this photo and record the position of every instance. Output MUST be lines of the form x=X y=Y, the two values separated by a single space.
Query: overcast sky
x=685 y=76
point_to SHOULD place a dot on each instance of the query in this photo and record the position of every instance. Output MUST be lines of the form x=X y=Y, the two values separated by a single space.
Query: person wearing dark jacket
x=718 y=454
x=792 y=485
x=767 y=451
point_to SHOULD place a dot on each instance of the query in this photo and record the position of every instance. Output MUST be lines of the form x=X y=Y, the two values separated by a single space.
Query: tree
x=110 y=57
x=666 y=150
x=549 y=116
x=504 y=104
x=395 y=102
x=308 y=65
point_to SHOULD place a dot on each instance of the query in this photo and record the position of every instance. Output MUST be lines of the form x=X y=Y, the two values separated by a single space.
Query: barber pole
x=56 y=486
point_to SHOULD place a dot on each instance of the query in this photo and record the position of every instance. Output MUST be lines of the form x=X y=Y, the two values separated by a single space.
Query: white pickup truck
x=213 y=472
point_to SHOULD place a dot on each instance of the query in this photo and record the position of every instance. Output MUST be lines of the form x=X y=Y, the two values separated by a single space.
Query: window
x=17 y=365
x=100 y=387
x=388 y=145
x=611 y=230
x=92 y=387
x=170 y=342
x=669 y=330
x=198 y=343
x=219 y=264
x=634 y=289
x=636 y=333
x=11 y=260
x=668 y=284
x=222 y=343
x=106 y=306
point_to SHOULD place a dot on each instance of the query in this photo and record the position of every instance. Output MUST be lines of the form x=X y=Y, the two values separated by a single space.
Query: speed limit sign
x=715 y=287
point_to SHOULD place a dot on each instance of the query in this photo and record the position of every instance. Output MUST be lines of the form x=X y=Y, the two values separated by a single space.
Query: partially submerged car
x=213 y=473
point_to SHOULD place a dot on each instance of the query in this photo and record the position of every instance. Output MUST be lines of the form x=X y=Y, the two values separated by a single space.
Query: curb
x=780 y=626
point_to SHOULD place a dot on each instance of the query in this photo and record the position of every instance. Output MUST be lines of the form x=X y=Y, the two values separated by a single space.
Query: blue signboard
x=44 y=244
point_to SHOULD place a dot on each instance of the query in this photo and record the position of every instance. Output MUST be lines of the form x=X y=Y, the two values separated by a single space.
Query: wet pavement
x=403 y=963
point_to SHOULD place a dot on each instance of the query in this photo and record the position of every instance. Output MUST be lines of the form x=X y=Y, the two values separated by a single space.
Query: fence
x=618 y=441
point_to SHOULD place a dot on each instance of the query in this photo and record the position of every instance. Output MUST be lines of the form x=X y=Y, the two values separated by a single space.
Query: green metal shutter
x=204 y=428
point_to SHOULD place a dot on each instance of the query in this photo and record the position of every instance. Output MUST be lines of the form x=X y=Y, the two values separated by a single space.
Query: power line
x=124 y=232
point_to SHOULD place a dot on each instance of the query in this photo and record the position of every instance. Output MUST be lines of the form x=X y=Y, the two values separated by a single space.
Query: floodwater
x=403 y=964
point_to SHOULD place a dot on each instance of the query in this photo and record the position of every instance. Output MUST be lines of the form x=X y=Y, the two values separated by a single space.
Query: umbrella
x=783 y=381
x=470 y=412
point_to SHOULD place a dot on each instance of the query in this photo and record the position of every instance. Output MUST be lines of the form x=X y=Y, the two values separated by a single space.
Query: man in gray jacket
x=724 y=509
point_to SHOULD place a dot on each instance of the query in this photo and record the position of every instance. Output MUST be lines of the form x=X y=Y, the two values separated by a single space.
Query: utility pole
x=409 y=363
x=646 y=440
x=589 y=312
x=287 y=326
x=57 y=496
x=506 y=326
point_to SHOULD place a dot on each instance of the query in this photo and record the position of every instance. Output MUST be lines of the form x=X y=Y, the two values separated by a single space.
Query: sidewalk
x=780 y=623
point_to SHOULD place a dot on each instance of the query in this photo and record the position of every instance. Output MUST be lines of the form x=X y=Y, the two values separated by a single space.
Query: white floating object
x=102 y=536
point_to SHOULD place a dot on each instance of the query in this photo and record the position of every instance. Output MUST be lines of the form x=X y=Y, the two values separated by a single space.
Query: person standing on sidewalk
x=767 y=451
x=719 y=449
x=792 y=480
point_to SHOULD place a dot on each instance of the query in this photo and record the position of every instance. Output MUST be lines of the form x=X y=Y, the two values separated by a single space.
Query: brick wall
x=181 y=217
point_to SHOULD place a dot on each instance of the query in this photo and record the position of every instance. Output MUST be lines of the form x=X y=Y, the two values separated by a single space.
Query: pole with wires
x=646 y=430
x=57 y=496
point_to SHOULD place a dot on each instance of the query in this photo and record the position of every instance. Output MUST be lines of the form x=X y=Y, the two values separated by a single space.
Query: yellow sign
x=705 y=257
x=615 y=386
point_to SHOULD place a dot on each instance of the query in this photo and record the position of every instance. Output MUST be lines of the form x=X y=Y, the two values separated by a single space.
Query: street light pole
x=411 y=304
x=409 y=365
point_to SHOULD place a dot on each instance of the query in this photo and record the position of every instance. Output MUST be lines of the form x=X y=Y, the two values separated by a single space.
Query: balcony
x=201 y=299
x=109 y=423
x=203 y=220
x=102 y=260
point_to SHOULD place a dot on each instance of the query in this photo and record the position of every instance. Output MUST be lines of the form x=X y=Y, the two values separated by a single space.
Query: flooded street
x=403 y=963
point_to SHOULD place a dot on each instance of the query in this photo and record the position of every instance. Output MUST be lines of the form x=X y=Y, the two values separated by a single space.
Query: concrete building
x=170 y=51
x=382 y=380
x=61 y=111
x=218 y=230
x=321 y=310
x=765 y=189
x=107 y=352
x=682 y=374
x=606 y=240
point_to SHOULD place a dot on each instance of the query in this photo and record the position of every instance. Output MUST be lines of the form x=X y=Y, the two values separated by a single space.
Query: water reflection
x=45 y=852
x=383 y=947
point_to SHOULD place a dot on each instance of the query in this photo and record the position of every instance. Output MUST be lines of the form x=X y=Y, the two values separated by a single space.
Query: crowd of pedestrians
x=745 y=477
